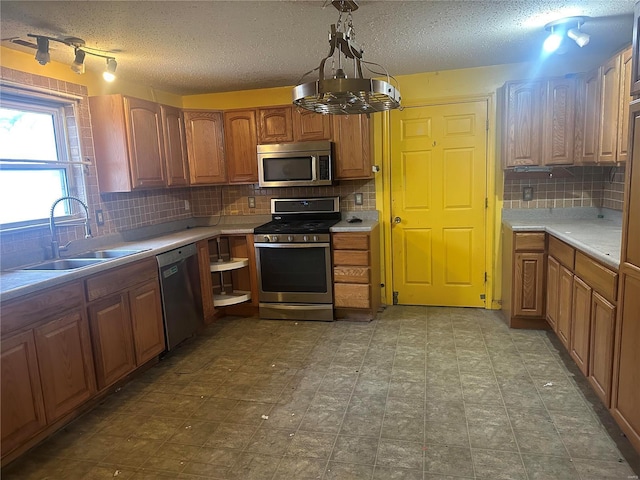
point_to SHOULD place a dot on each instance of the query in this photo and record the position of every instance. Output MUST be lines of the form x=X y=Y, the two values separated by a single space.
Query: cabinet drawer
x=350 y=241
x=533 y=241
x=348 y=295
x=40 y=306
x=351 y=257
x=599 y=277
x=345 y=274
x=117 y=279
x=561 y=252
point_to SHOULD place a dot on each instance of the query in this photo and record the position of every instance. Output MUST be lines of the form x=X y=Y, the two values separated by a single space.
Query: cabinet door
x=144 y=141
x=625 y=99
x=635 y=54
x=205 y=146
x=528 y=283
x=630 y=243
x=110 y=324
x=603 y=321
x=553 y=277
x=580 y=324
x=523 y=124
x=175 y=146
x=559 y=122
x=66 y=366
x=206 y=285
x=589 y=116
x=22 y=403
x=241 y=143
x=275 y=125
x=609 y=105
x=146 y=320
x=352 y=146
x=310 y=126
x=565 y=293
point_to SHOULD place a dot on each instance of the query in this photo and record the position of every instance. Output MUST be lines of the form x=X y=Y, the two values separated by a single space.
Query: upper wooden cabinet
x=539 y=122
x=241 y=144
x=635 y=60
x=625 y=99
x=309 y=126
x=351 y=134
x=128 y=141
x=275 y=125
x=205 y=146
x=175 y=146
x=609 y=105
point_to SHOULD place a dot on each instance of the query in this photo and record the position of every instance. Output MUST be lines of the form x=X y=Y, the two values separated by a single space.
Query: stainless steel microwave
x=295 y=164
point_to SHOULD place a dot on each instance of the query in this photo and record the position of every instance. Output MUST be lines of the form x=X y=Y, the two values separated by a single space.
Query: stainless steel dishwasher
x=181 y=299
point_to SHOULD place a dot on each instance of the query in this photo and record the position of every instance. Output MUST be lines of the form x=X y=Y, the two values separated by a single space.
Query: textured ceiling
x=187 y=47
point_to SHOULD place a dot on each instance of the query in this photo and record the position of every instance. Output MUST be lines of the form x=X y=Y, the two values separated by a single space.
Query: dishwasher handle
x=177 y=255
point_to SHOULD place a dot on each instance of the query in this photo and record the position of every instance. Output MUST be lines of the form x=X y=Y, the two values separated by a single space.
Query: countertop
x=17 y=282
x=582 y=228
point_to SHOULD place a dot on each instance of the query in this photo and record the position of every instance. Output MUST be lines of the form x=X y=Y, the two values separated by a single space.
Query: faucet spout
x=55 y=244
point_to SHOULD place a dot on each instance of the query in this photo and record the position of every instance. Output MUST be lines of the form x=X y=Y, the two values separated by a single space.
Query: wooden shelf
x=225 y=266
x=232 y=298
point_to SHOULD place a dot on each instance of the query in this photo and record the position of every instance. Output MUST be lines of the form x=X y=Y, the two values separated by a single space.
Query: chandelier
x=339 y=94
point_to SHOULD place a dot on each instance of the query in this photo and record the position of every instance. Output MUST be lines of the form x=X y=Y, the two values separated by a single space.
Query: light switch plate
x=358 y=197
x=99 y=217
x=252 y=202
x=527 y=194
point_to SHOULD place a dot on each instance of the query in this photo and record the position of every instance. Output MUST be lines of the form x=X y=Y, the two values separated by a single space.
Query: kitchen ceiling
x=187 y=47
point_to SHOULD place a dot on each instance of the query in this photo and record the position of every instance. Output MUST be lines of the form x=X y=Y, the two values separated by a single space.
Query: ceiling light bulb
x=78 y=63
x=109 y=73
x=42 y=55
x=579 y=37
x=552 y=43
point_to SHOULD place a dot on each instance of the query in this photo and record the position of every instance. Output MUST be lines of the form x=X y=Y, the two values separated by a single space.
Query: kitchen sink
x=66 y=264
x=107 y=254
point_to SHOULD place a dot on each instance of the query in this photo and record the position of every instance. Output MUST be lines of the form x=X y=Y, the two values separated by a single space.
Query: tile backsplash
x=587 y=187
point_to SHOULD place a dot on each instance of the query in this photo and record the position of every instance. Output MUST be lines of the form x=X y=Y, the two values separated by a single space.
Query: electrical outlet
x=252 y=202
x=187 y=207
x=99 y=218
x=358 y=197
x=527 y=194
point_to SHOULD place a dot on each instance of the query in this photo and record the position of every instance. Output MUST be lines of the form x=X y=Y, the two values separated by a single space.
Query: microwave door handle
x=314 y=167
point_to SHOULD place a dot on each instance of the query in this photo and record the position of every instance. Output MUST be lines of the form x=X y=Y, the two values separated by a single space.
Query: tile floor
x=420 y=393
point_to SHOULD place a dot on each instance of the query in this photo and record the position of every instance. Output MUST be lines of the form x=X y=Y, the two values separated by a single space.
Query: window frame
x=55 y=105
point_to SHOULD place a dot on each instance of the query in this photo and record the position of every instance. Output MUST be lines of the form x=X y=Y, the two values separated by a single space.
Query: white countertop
x=598 y=237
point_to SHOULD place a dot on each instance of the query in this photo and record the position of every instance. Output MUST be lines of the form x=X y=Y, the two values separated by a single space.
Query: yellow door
x=438 y=192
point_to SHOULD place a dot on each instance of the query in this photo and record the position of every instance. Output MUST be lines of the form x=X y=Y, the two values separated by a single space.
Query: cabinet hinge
x=395 y=298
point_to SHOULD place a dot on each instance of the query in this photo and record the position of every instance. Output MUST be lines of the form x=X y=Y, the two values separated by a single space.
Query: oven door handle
x=291 y=245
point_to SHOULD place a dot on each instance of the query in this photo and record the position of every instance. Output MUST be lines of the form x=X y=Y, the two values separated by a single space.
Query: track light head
x=569 y=26
x=110 y=71
x=579 y=37
x=42 y=55
x=78 y=63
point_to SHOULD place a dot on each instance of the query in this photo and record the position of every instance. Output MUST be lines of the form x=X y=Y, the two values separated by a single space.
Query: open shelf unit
x=229 y=266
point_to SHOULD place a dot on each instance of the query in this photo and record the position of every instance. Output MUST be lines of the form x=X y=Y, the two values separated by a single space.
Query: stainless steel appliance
x=295 y=164
x=293 y=256
x=181 y=299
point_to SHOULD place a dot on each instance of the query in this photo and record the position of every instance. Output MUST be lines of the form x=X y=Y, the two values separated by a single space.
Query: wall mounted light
x=109 y=74
x=80 y=52
x=569 y=26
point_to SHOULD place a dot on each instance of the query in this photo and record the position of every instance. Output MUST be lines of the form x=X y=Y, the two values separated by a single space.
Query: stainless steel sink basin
x=107 y=253
x=66 y=264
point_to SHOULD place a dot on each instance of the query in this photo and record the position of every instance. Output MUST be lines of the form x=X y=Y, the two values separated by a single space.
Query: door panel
x=438 y=181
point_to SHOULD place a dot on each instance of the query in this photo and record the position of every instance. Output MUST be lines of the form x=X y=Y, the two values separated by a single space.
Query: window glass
x=27 y=135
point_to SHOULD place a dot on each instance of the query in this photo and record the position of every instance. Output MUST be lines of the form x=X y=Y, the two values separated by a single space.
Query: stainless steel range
x=293 y=255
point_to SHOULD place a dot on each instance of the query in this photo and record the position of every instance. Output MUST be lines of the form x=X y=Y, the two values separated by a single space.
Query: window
x=34 y=159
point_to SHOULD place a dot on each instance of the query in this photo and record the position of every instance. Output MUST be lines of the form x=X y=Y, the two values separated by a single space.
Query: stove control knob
x=266 y=238
x=315 y=238
x=290 y=238
x=305 y=238
x=274 y=238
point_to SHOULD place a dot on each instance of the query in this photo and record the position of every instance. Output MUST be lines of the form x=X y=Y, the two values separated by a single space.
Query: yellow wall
x=25 y=62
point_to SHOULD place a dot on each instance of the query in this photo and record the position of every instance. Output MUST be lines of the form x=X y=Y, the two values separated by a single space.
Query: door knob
x=397 y=220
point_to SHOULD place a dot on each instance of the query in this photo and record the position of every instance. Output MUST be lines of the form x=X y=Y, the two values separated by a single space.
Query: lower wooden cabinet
x=356 y=273
x=553 y=304
x=125 y=315
x=565 y=301
x=529 y=282
x=603 y=322
x=580 y=324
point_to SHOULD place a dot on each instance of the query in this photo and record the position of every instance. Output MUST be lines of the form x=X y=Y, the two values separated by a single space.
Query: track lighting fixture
x=560 y=28
x=80 y=51
x=78 y=63
x=110 y=72
x=42 y=55
x=339 y=94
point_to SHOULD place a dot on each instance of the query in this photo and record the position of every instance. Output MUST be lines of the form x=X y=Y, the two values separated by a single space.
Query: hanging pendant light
x=339 y=94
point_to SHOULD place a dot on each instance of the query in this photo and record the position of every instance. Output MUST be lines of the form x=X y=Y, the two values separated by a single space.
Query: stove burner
x=303 y=226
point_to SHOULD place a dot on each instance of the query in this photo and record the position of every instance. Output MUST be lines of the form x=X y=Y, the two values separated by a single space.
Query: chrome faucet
x=55 y=244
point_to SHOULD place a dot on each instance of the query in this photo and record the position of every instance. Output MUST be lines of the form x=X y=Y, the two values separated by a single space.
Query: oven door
x=294 y=273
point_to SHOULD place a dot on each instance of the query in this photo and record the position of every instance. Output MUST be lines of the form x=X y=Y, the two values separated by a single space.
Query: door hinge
x=487 y=125
x=395 y=298
x=486 y=277
x=486 y=202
